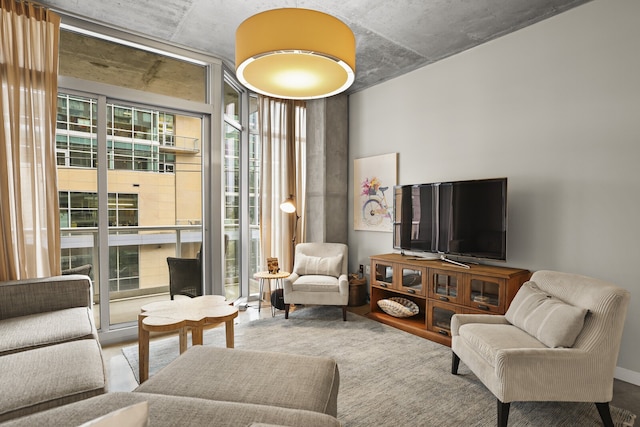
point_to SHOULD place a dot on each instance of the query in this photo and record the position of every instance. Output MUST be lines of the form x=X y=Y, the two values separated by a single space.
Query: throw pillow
x=552 y=321
x=325 y=266
x=130 y=416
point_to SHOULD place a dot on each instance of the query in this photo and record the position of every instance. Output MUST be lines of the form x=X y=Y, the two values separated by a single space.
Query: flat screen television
x=459 y=218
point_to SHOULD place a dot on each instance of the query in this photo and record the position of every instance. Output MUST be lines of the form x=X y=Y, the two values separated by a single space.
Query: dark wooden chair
x=185 y=277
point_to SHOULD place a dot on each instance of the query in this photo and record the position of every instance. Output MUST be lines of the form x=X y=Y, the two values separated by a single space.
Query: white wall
x=554 y=107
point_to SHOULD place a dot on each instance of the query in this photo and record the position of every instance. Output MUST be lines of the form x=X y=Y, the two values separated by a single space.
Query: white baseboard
x=627 y=375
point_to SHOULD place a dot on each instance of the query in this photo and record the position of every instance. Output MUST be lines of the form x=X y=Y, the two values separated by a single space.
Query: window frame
x=210 y=110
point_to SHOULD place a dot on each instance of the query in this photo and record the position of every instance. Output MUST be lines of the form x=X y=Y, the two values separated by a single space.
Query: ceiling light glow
x=295 y=54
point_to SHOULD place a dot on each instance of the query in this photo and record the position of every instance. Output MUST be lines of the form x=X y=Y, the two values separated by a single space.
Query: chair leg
x=286 y=311
x=344 y=313
x=605 y=413
x=503 y=413
x=455 y=363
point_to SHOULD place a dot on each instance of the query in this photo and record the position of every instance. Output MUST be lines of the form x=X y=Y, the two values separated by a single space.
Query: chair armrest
x=287 y=283
x=30 y=296
x=343 y=283
x=557 y=372
x=460 y=319
x=555 y=363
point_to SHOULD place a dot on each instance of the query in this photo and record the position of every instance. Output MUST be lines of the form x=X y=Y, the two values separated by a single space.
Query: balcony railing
x=154 y=244
x=149 y=279
x=177 y=143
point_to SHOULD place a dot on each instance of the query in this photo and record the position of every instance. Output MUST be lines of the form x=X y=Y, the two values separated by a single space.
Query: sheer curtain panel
x=282 y=124
x=29 y=213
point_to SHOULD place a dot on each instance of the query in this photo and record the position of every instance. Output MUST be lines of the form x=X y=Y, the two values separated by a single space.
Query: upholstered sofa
x=53 y=372
x=49 y=349
x=241 y=388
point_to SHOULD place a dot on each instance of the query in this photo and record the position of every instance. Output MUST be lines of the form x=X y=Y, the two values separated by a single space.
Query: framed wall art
x=373 y=180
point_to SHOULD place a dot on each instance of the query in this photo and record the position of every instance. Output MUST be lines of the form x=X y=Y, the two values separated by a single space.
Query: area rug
x=387 y=377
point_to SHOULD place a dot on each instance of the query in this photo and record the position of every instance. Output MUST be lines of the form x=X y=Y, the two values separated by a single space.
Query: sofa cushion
x=488 y=339
x=171 y=411
x=45 y=377
x=314 y=283
x=41 y=329
x=265 y=378
x=325 y=266
x=136 y=415
x=549 y=319
x=38 y=295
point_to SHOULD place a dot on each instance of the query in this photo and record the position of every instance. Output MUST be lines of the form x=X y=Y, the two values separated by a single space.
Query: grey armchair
x=558 y=341
x=319 y=277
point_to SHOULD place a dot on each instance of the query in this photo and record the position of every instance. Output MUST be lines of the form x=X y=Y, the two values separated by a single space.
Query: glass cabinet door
x=383 y=275
x=485 y=294
x=439 y=318
x=445 y=286
x=411 y=280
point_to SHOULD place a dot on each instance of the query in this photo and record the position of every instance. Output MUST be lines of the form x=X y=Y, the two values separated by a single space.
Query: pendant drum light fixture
x=295 y=54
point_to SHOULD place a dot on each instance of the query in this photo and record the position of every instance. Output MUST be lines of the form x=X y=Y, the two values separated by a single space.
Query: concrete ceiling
x=392 y=37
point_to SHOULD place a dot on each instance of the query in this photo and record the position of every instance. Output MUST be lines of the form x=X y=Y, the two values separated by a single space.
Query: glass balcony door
x=151 y=208
x=154 y=203
x=139 y=151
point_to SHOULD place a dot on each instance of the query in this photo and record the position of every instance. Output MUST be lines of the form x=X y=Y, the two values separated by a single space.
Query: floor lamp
x=289 y=207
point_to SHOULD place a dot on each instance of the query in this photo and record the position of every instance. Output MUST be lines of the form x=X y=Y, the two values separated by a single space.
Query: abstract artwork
x=373 y=180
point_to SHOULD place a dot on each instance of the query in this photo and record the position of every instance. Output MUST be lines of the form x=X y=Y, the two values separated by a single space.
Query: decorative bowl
x=398 y=307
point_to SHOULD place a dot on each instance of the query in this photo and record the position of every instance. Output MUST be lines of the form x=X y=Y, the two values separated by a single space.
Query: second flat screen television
x=461 y=218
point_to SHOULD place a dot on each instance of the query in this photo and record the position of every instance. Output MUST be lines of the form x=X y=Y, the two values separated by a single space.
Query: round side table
x=265 y=275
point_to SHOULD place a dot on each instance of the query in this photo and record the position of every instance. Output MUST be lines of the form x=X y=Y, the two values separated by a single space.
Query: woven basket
x=398 y=307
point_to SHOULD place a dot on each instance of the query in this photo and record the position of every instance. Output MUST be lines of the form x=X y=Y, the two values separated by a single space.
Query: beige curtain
x=282 y=173
x=29 y=214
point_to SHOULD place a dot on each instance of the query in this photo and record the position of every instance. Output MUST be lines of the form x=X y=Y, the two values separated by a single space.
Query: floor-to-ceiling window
x=130 y=155
x=153 y=198
x=253 y=193
x=232 y=141
x=241 y=183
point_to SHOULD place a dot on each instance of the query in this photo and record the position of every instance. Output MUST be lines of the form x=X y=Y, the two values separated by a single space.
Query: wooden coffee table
x=181 y=315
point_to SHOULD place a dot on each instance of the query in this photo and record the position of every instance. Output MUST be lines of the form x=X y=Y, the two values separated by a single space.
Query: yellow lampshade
x=295 y=54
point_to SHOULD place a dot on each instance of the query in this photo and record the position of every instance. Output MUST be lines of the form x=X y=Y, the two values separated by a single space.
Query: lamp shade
x=295 y=54
x=288 y=206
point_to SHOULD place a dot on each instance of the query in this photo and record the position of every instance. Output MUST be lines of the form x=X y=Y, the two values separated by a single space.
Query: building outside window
x=76 y=144
x=124 y=268
x=135 y=136
x=80 y=209
x=147 y=165
x=123 y=210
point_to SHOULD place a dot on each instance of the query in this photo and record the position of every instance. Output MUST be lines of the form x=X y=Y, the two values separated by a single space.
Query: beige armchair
x=319 y=277
x=558 y=341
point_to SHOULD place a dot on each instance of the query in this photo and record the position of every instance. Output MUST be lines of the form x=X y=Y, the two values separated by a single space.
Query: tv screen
x=462 y=218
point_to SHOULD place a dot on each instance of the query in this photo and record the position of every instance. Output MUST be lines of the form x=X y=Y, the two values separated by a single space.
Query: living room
x=553 y=107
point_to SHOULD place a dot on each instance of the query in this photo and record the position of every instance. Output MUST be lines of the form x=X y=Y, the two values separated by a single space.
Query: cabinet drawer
x=485 y=294
x=439 y=317
x=446 y=286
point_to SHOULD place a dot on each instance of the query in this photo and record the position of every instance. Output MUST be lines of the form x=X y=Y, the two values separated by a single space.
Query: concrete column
x=327 y=169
